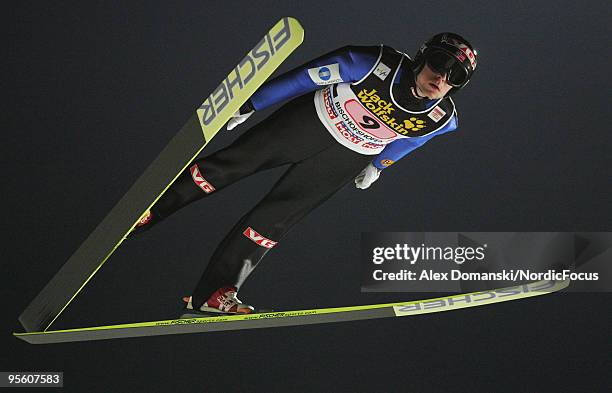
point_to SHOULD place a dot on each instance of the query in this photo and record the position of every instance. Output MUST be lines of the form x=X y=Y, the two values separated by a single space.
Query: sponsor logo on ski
x=387 y=162
x=242 y=74
x=259 y=239
x=382 y=71
x=325 y=75
x=473 y=299
x=436 y=114
x=199 y=180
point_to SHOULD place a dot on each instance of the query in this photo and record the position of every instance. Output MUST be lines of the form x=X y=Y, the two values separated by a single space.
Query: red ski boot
x=223 y=301
x=144 y=223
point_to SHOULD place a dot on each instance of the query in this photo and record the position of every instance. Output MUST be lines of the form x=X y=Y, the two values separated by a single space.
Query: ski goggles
x=444 y=63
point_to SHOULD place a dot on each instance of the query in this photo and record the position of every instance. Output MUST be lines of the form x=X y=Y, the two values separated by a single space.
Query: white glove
x=368 y=176
x=237 y=119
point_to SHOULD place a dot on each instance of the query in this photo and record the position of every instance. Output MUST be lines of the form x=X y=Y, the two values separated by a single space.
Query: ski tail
x=257 y=66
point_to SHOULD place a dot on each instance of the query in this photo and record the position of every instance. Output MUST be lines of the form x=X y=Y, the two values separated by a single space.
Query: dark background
x=96 y=89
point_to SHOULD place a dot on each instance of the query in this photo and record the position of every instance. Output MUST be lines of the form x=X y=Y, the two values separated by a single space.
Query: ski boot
x=144 y=224
x=222 y=302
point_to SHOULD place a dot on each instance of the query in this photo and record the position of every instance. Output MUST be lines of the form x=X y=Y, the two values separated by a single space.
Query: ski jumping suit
x=354 y=107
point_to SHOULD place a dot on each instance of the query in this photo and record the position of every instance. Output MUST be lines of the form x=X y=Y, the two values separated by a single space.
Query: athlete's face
x=430 y=84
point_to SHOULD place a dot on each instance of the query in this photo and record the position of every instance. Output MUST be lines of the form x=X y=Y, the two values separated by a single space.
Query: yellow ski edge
x=260 y=77
x=413 y=307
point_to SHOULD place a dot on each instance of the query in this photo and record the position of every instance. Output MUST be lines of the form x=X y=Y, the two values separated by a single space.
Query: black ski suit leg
x=284 y=137
x=303 y=187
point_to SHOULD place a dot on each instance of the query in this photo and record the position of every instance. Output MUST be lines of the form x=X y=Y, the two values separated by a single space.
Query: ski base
x=295 y=318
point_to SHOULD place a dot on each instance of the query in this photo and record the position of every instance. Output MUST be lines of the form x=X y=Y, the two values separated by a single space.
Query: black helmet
x=450 y=54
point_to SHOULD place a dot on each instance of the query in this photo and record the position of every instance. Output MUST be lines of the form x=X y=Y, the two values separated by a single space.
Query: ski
x=259 y=63
x=294 y=318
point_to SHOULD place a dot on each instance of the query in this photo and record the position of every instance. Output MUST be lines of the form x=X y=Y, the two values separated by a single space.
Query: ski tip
x=293 y=20
x=294 y=25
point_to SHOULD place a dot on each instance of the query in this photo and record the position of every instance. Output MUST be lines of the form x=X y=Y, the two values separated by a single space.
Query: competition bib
x=365 y=117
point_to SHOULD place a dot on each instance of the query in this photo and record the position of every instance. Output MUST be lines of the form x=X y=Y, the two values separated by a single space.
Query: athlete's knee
x=196 y=176
x=189 y=187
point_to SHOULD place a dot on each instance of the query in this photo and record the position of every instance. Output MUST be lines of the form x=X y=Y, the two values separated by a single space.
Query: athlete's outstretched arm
x=346 y=64
x=393 y=152
x=398 y=149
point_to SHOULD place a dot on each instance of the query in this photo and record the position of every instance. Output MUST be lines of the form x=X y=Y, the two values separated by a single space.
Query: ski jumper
x=354 y=107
